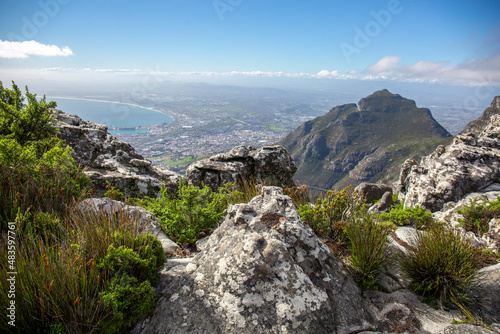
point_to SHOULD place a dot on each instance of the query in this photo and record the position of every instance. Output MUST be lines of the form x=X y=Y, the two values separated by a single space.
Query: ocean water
x=119 y=117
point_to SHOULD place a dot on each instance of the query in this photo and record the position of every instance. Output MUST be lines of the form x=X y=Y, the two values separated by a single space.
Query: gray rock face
x=384 y=205
x=478 y=125
x=372 y=192
x=262 y=271
x=271 y=163
x=469 y=164
x=403 y=312
x=146 y=221
x=487 y=294
x=109 y=160
x=466 y=329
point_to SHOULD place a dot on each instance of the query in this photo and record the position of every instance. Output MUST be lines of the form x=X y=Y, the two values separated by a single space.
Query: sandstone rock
x=469 y=164
x=262 y=271
x=384 y=205
x=477 y=126
x=372 y=192
x=403 y=312
x=486 y=295
x=109 y=160
x=146 y=221
x=466 y=329
x=270 y=163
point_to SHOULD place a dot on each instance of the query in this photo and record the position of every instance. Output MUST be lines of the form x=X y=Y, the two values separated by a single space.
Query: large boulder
x=271 y=164
x=262 y=271
x=108 y=160
x=372 y=192
x=467 y=165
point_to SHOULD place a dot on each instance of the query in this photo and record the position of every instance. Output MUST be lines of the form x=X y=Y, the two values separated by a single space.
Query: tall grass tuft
x=369 y=248
x=441 y=264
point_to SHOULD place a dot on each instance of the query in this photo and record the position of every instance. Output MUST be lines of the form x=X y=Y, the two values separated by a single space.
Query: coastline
x=115 y=102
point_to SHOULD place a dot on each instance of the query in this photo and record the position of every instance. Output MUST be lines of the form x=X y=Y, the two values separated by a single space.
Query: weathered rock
x=403 y=312
x=384 y=205
x=112 y=161
x=372 y=192
x=478 y=125
x=486 y=295
x=146 y=221
x=466 y=329
x=262 y=271
x=270 y=163
x=450 y=215
x=469 y=164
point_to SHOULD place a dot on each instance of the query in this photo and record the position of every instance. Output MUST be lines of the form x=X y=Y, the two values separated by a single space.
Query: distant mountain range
x=366 y=142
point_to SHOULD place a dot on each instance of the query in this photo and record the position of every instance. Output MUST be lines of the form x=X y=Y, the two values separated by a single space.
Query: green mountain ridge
x=366 y=142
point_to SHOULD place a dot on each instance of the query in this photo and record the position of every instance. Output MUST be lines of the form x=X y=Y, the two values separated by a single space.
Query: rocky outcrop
x=145 y=220
x=262 y=271
x=372 y=192
x=478 y=125
x=366 y=142
x=270 y=164
x=486 y=295
x=467 y=165
x=111 y=161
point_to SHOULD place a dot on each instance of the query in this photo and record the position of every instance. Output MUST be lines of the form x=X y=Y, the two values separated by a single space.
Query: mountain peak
x=367 y=142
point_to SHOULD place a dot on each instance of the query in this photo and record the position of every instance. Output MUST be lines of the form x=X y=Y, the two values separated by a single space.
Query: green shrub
x=113 y=193
x=41 y=176
x=369 y=248
x=417 y=216
x=329 y=216
x=129 y=302
x=25 y=122
x=441 y=263
x=477 y=216
x=193 y=213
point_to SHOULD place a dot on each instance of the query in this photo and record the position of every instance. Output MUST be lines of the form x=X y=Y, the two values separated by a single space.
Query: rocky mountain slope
x=476 y=126
x=367 y=142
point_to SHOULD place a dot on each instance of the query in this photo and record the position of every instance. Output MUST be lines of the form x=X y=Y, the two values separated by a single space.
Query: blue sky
x=455 y=42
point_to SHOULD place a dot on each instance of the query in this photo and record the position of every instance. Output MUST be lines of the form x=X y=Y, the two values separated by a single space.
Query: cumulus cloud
x=31 y=48
x=483 y=71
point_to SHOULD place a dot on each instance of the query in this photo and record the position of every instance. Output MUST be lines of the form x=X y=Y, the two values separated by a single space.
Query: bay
x=120 y=118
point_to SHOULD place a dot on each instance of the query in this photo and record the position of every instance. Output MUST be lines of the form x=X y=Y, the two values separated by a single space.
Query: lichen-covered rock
x=372 y=192
x=146 y=221
x=469 y=164
x=262 y=271
x=112 y=161
x=270 y=163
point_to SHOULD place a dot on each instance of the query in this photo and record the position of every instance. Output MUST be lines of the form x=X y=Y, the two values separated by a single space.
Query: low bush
x=400 y=216
x=331 y=212
x=193 y=213
x=477 y=216
x=369 y=248
x=440 y=264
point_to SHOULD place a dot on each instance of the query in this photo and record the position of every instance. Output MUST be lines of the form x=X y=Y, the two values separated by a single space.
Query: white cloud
x=31 y=48
x=484 y=71
x=386 y=64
